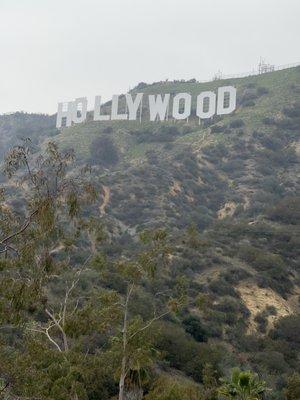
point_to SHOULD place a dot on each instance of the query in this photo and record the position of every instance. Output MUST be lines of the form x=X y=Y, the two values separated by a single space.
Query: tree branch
x=158 y=317
x=60 y=327
x=20 y=231
x=45 y=331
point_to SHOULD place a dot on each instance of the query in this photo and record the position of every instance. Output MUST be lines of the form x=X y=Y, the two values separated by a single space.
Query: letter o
x=200 y=105
x=187 y=106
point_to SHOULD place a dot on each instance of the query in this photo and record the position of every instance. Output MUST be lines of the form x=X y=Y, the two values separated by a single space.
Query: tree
x=58 y=320
x=45 y=249
x=210 y=382
x=39 y=241
x=243 y=385
x=31 y=233
x=293 y=387
x=136 y=350
x=132 y=345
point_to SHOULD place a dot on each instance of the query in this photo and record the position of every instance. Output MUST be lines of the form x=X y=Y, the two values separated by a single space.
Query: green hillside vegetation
x=259 y=97
x=162 y=258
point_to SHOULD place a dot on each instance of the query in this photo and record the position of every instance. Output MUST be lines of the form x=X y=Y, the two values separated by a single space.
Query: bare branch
x=45 y=331
x=158 y=317
x=57 y=323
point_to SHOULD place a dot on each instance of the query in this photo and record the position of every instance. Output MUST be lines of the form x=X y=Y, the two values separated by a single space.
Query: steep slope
x=227 y=191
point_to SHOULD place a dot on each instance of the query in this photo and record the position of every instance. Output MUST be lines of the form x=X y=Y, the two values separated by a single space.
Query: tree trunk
x=124 y=352
x=65 y=340
x=122 y=379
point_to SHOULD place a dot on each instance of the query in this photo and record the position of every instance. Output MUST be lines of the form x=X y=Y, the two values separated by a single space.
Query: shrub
x=271 y=310
x=182 y=352
x=194 y=327
x=234 y=275
x=174 y=388
x=107 y=129
x=268 y=121
x=179 y=347
x=237 y=123
x=141 y=85
x=261 y=91
x=286 y=210
x=287 y=328
x=222 y=288
x=292 y=112
x=104 y=152
x=249 y=103
x=288 y=123
x=293 y=387
x=164 y=134
x=248 y=95
x=216 y=151
x=273 y=361
x=262 y=322
x=217 y=128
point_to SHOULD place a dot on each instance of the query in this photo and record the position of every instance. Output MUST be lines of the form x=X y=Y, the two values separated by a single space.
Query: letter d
x=230 y=93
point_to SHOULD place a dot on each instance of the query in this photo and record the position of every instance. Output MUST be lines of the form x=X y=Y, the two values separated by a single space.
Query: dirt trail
x=105 y=199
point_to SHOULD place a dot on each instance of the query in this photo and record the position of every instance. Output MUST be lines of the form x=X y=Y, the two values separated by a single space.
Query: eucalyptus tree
x=142 y=280
x=43 y=233
x=45 y=238
x=40 y=216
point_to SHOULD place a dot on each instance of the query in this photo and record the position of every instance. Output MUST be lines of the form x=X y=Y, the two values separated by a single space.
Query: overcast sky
x=57 y=50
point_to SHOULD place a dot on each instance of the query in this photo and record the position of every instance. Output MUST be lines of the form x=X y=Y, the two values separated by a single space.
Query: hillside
x=227 y=193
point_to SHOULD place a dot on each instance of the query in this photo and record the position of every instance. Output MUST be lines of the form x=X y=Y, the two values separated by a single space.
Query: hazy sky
x=57 y=50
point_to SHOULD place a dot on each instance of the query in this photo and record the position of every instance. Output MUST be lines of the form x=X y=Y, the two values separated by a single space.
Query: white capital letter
x=187 y=98
x=211 y=109
x=158 y=106
x=133 y=106
x=115 y=107
x=97 y=110
x=68 y=114
x=79 y=115
x=226 y=91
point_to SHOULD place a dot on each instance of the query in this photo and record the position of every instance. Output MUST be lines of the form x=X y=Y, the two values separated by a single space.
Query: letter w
x=158 y=106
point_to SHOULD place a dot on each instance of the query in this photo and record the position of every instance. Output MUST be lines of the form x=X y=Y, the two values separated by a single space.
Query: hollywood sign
x=207 y=105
